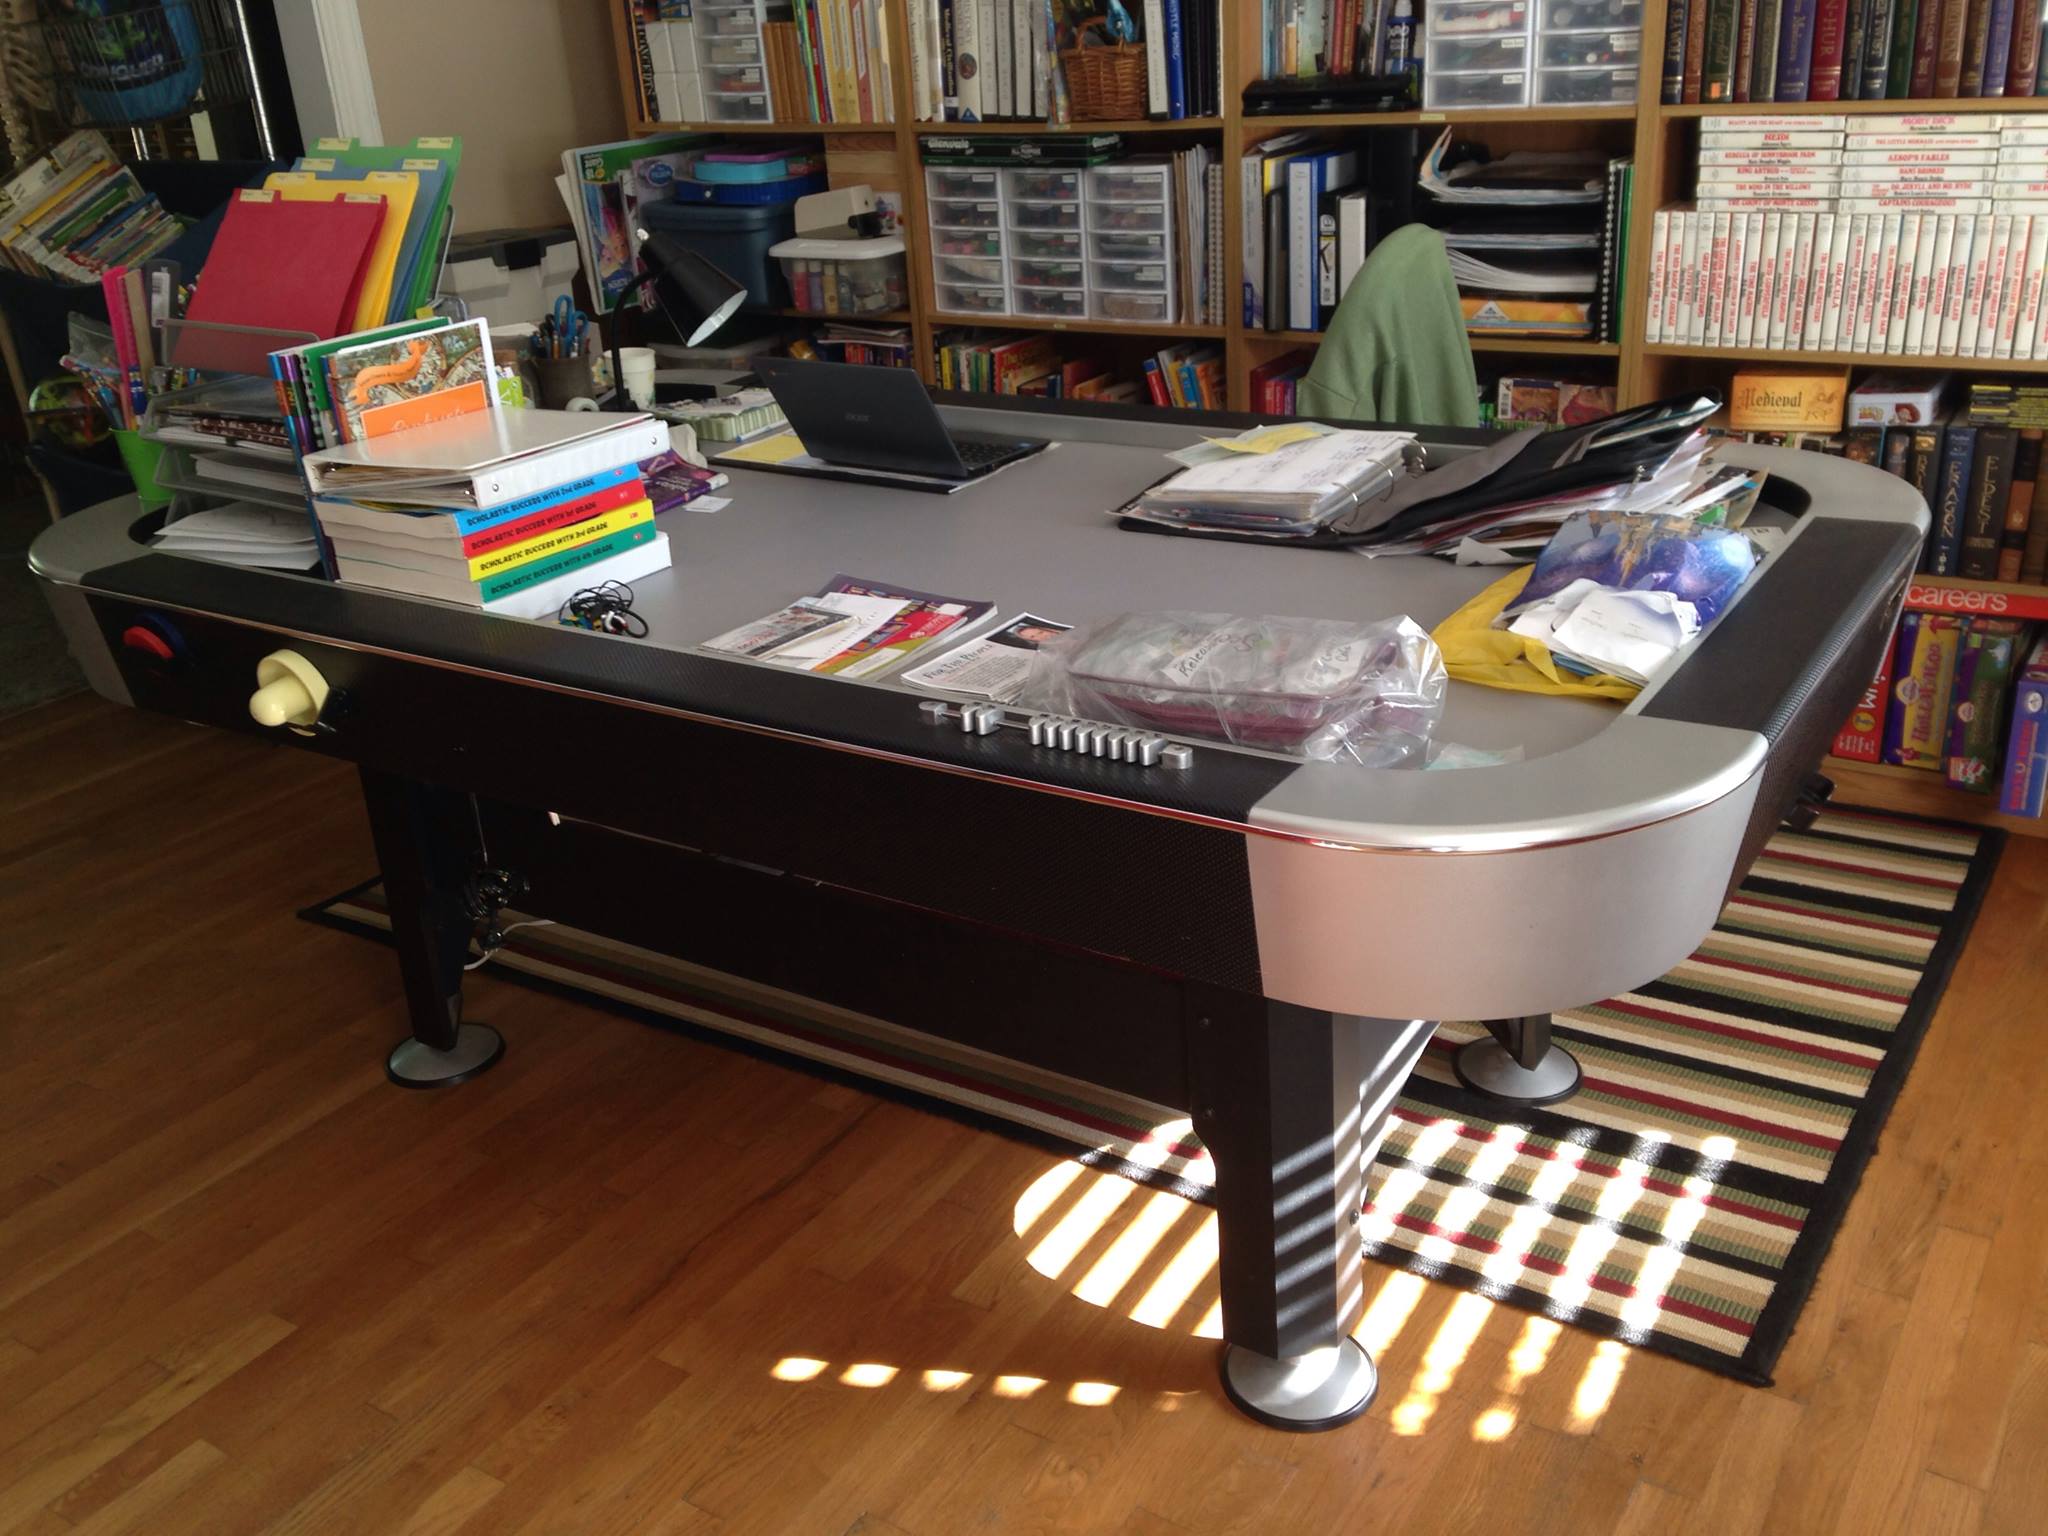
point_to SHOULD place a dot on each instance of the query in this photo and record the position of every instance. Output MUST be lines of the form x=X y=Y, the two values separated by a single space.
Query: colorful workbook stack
x=76 y=212
x=509 y=512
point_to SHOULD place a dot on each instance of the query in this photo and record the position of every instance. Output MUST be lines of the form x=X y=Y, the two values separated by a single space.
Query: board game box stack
x=1898 y=234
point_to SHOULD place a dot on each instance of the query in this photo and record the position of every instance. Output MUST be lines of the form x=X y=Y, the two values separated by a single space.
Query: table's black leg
x=426 y=847
x=1519 y=1063
x=1292 y=1103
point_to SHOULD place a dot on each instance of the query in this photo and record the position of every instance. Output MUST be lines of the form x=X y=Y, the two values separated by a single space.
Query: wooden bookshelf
x=1882 y=105
x=1922 y=792
x=1849 y=359
x=1662 y=140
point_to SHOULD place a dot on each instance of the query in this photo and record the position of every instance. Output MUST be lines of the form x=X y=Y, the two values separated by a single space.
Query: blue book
x=1795 y=51
x=1176 y=62
x=1945 y=540
x=1309 y=176
x=1998 y=46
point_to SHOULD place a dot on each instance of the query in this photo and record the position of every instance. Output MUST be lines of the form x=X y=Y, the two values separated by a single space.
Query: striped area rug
x=1682 y=1200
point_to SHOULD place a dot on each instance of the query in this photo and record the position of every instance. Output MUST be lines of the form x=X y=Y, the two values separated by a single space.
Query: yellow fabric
x=1476 y=652
x=396 y=189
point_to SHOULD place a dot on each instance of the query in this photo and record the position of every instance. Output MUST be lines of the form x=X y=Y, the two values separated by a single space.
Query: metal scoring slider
x=1065 y=733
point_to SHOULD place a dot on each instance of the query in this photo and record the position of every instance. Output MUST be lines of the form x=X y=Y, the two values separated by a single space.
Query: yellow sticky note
x=1268 y=440
x=779 y=449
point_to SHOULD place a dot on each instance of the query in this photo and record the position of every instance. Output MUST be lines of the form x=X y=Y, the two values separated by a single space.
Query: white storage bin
x=1048 y=274
x=1137 y=308
x=957 y=181
x=1030 y=214
x=1044 y=184
x=1476 y=53
x=844 y=277
x=1047 y=244
x=984 y=271
x=966 y=299
x=1585 y=87
x=1128 y=183
x=966 y=213
x=1057 y=303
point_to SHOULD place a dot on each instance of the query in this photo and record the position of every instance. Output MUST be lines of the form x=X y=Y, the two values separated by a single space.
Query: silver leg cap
x=1484 y=1066
x=1318 y=1390
x=413 y=1065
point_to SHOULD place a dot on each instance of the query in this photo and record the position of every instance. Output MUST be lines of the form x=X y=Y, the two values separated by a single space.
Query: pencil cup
x=142 y=457
x=562 y=379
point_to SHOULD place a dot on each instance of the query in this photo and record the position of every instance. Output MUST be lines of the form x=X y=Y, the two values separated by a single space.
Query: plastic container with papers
x=844 y=277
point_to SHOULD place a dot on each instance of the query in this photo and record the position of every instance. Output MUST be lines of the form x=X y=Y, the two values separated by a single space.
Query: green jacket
x=1396 y=350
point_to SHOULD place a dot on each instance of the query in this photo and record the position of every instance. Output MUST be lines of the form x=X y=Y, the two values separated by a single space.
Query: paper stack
x=244 y=533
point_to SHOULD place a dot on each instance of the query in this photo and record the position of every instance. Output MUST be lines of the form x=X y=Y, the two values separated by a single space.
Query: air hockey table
x=1263 y=943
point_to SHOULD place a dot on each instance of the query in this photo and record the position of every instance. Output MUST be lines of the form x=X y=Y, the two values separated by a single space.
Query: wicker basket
x=1105 y=84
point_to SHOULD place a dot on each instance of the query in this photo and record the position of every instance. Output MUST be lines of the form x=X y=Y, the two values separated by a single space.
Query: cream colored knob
x=289 y=691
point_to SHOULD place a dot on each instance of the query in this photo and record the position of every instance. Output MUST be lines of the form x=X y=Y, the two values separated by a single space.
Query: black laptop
x=881 y=419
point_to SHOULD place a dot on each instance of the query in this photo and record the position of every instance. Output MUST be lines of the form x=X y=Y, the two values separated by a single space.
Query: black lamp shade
x=696 y=293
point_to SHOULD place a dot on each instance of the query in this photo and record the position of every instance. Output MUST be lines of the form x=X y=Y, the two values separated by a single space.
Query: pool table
x=1264 y=943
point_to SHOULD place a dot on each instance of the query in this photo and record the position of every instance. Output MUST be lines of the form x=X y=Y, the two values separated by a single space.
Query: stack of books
x=77 y=212
x=1843 y=50
x=1906 y=235
x=510 y=512
x=1029 y=365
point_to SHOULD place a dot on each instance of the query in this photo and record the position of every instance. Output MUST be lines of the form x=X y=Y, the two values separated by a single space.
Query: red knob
x=139 y=637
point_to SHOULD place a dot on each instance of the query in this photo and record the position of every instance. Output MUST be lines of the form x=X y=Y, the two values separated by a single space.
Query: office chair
x=1396 y=349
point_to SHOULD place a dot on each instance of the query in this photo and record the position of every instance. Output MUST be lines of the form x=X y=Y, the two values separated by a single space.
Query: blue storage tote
x=734 y=239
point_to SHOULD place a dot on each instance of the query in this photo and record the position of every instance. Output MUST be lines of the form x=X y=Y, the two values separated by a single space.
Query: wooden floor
x=630 y=1282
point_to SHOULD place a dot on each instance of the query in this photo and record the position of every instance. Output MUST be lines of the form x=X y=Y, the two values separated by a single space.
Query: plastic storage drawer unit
x=843 y=277
x=1476 y=53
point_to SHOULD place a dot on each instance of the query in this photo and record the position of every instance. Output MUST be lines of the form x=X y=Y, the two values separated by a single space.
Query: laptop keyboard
x=978 y=451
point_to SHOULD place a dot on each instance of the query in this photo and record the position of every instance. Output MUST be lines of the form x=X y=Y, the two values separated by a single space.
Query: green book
x=1905 y=23
x=1717 y=75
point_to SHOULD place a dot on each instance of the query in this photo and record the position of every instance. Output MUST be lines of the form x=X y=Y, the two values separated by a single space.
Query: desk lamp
x=695 y=294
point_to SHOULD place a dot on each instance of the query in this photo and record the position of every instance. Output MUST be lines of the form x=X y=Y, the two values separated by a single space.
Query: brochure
x=994 y=666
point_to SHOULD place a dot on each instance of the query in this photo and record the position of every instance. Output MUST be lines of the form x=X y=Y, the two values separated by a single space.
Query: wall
x=519 y=80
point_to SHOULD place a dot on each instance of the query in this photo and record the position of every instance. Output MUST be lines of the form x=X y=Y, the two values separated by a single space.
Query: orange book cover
x=409 y=381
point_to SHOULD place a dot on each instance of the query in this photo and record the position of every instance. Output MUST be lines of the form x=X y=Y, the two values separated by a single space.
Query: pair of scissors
x=569 y=323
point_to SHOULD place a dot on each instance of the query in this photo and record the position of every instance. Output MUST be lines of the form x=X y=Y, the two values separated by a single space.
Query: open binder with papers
x=1289 y=491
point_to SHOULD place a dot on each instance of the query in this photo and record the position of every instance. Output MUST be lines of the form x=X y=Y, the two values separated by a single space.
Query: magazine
x=995 y=666
x=923 y=618
x=853 y=628
x=600 y=188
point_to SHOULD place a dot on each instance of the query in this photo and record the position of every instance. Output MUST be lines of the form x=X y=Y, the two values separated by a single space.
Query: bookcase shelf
x=1850 y=359
x=1255 y=124
x=1547 y=346
x=1922 y=792
x=776 y=130
x=1883 y=105
x=1079 y=327
x=1120 y=125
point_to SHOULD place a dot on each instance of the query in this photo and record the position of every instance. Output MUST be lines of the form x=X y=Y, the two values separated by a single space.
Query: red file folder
x=283 y=265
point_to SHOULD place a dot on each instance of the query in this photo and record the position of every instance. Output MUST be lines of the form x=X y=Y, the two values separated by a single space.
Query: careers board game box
x=2024 y=784
x=1991 y=653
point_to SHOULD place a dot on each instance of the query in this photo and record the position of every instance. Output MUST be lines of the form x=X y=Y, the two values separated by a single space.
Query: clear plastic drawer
x=1041 y=184
x=1564 y=87
x=1136 y=308
x=1131 y=276
x=1060 y=303
x=1028 y=214
x=967 y=299
x=1047 y=274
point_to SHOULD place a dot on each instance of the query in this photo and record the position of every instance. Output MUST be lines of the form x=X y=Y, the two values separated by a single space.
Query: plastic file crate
x=1476 y=53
